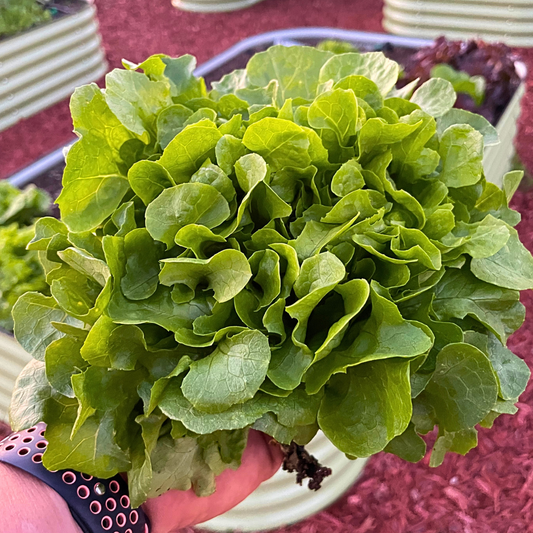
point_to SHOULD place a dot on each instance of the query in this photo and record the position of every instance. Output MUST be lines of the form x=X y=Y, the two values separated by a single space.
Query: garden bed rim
x=219 y=6
x=291 y=34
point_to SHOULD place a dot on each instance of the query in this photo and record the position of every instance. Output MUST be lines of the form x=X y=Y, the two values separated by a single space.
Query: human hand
x=177 y=509
x=30 y=505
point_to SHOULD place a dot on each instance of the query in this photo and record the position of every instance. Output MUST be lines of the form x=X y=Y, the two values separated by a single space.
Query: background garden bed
x=42 y=65
x=511 y=22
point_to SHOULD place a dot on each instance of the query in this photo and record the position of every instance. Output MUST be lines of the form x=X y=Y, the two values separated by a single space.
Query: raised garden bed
x=43 y=65
x=12 y=360
x=510 y=22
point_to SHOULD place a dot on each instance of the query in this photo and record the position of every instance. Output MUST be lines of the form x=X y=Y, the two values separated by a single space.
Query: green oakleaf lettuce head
x=300 y=248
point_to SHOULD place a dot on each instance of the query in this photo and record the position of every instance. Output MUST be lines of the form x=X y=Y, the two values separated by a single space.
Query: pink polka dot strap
x=97 y=505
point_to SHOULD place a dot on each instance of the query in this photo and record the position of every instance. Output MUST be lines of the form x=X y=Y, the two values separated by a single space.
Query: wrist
x=28 y=505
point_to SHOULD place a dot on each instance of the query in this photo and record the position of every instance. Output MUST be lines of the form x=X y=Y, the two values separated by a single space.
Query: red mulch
x=488 y=491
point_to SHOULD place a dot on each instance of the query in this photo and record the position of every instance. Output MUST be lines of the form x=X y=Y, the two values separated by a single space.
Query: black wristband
x=97 y=505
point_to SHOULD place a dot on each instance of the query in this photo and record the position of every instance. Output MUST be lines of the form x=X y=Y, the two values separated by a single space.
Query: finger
x=177 y=509
x=276 y=453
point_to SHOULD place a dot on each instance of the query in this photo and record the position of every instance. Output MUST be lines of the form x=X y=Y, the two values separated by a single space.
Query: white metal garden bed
x=12 y=360
x=498 y=158
x=42 y=66
x=213 y=6
x=492 y=20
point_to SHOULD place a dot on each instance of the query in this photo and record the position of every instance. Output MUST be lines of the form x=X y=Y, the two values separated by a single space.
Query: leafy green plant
x=20 y=269
x=462 y=82
x=299 y=248
x=18 y=15
x=336 y=46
